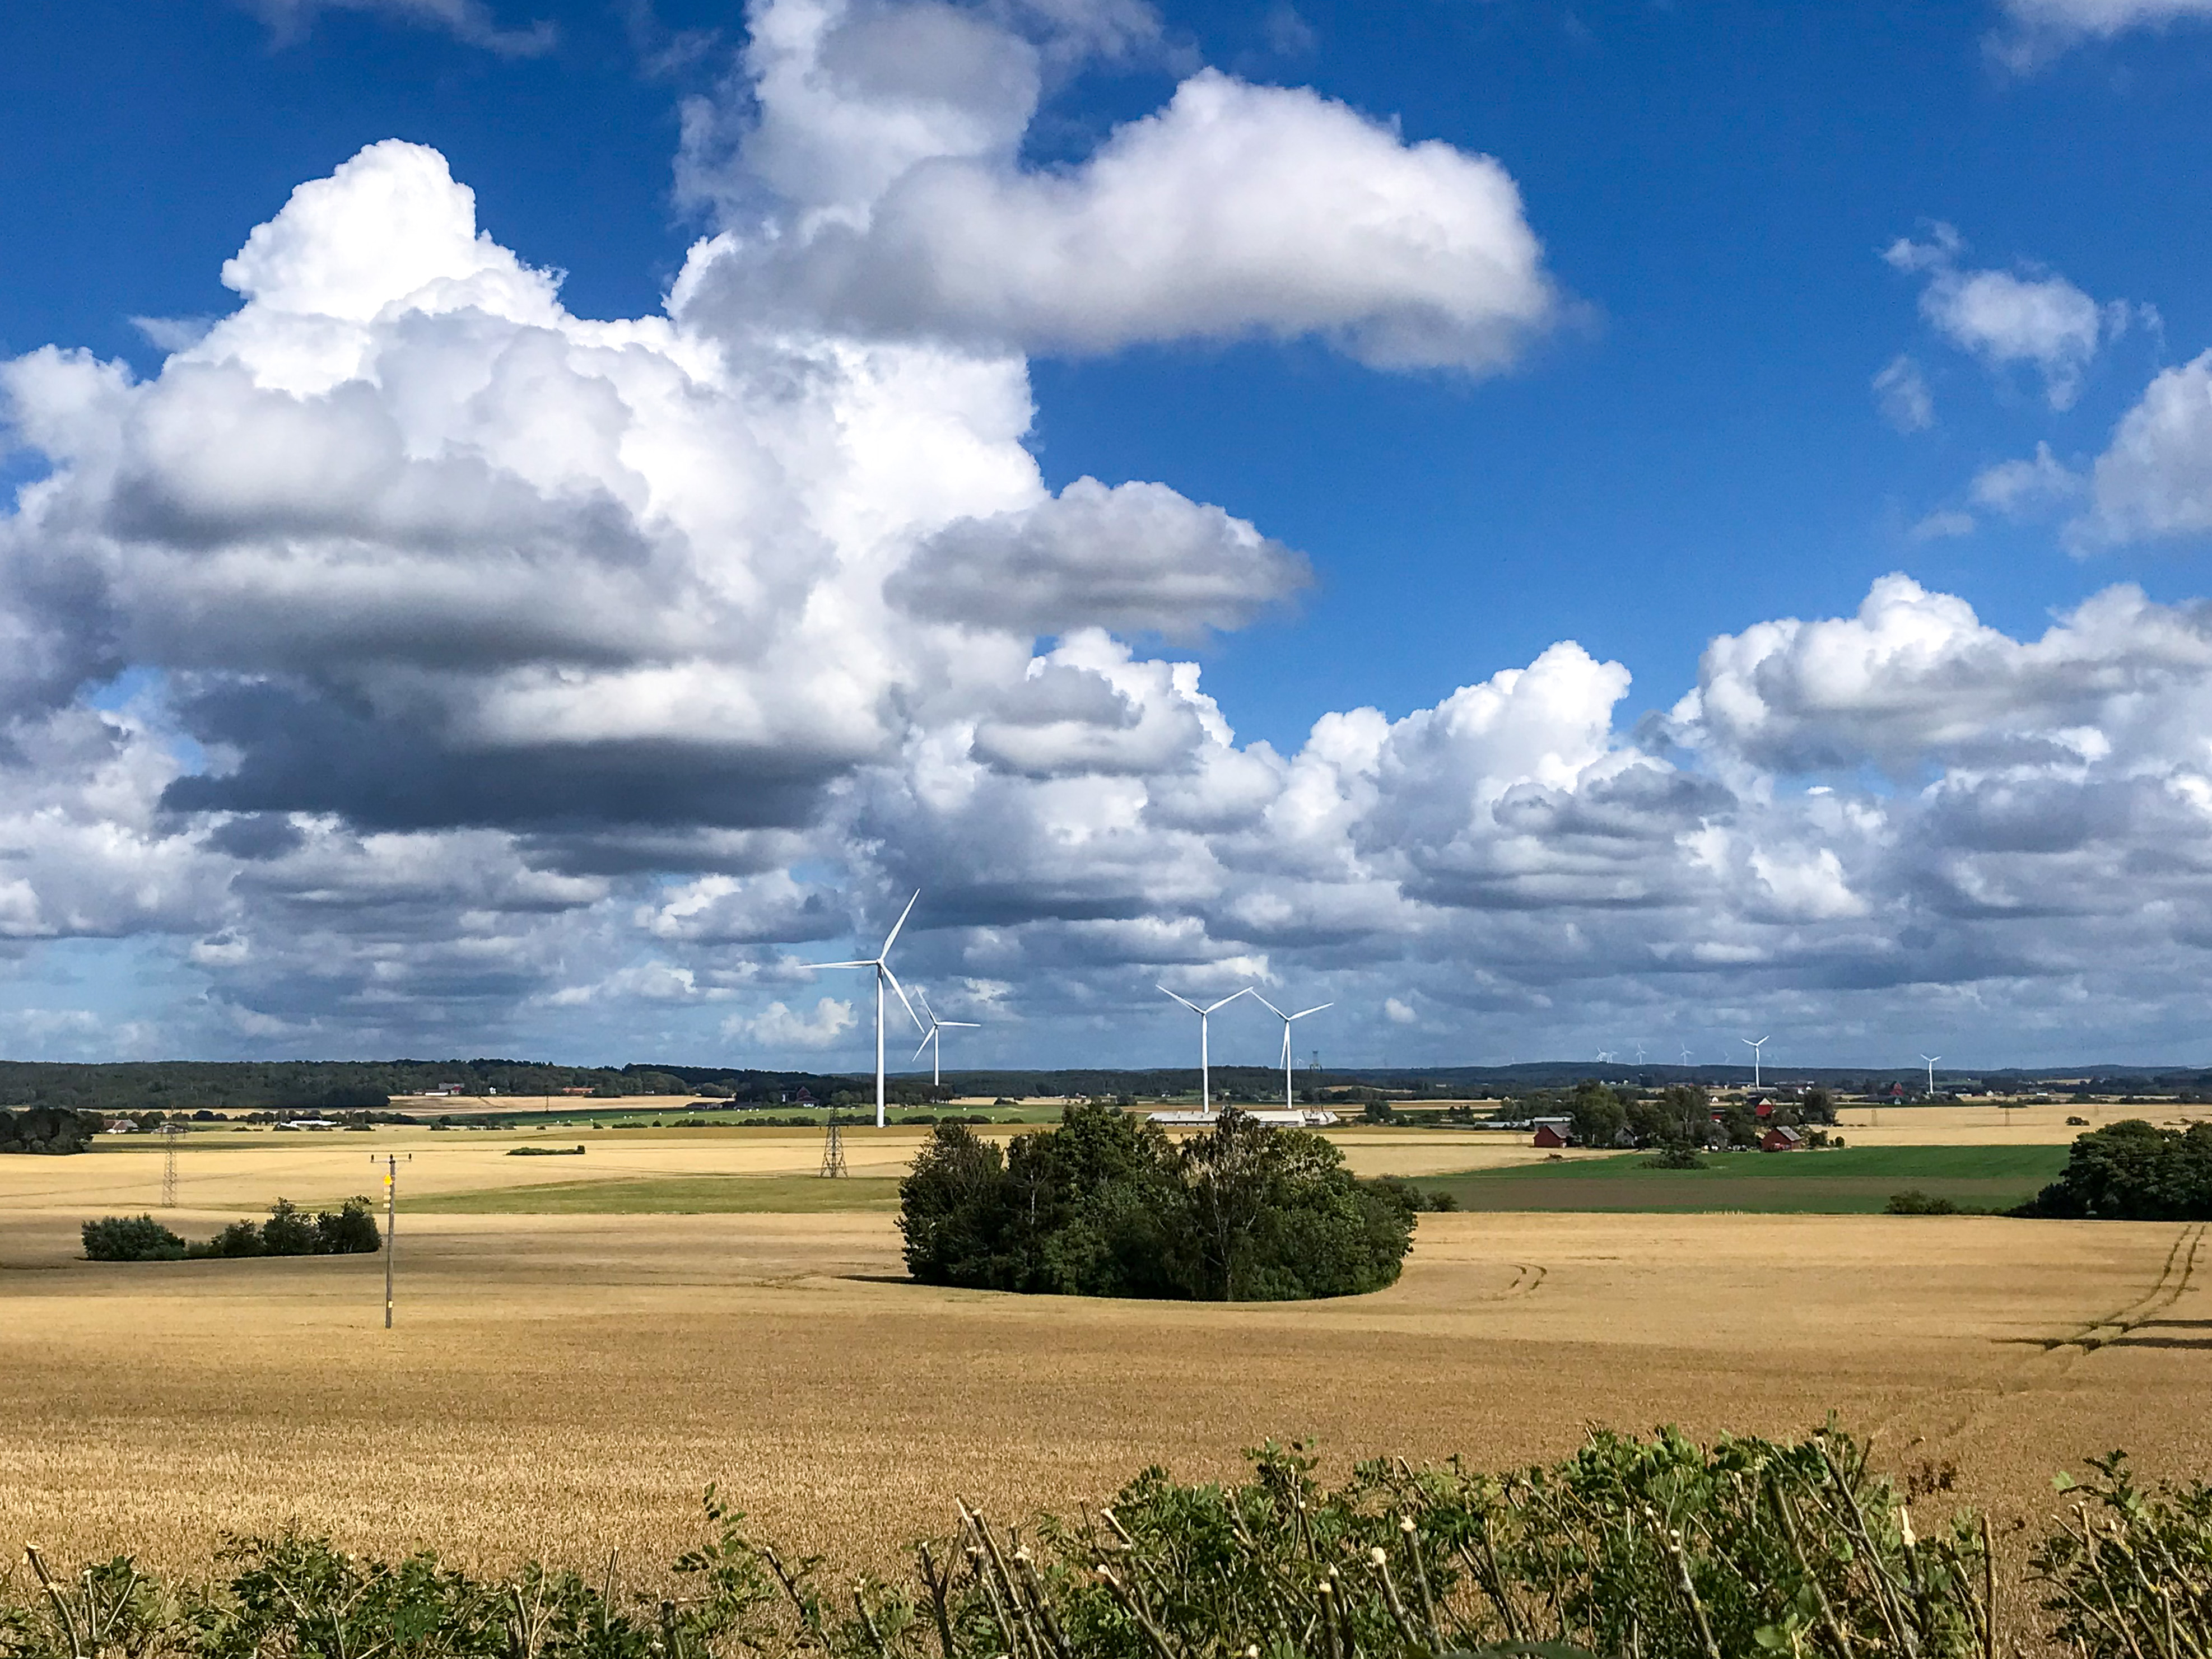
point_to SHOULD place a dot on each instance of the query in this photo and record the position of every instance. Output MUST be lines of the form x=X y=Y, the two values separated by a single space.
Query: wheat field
x=565 y=1384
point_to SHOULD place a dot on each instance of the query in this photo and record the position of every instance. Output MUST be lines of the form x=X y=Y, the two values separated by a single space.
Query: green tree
x=130 y=1238
x=1598 y=1114
x=287 y=1232
x=349 y=1230
x=2134 y=1171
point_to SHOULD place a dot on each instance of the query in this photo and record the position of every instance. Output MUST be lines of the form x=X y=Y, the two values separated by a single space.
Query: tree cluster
x=349 y=1230
x=49 y=1129
x=1106 y=1204
x=2133 y=1171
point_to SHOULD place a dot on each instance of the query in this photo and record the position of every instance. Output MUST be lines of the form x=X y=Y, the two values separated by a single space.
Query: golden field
x=566 y=1383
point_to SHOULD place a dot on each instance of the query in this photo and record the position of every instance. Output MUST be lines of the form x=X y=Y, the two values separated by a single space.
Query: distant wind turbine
x=1686 y=1054
x=935 y=1044
x=1286 y=1019
x=1931 y=1060
x=1205 y=1072
x=1755 y=1047
x=881 y=963
x=1639 y=1051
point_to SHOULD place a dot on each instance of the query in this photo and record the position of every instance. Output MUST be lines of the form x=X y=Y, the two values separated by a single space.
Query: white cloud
x=496 y=679
x=2005 y=318
x=1901 y=392
x=471 y=20
x=2154 y=480
x=1945 y=523
x=776 y=1028
x=2026 y=489
x=874 y=178
x=2036 y=31
x=1398 y=1013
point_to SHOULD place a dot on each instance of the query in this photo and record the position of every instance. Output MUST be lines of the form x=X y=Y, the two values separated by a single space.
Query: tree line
x=349 y=1230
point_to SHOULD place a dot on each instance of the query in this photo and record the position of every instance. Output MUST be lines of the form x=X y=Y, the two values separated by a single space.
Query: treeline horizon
x=232 y=1086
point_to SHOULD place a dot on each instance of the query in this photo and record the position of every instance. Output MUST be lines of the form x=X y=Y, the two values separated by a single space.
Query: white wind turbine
x=1755 y=1047
x=880 y=962
x=1286 y=1019
x=1639 y=1051
x=935 y=1044
x=1931 y=1060
x=1686 y=1054
x=1205 y=1072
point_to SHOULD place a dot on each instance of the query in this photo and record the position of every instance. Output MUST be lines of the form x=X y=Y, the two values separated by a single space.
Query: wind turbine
x=1286 y=1019
x=1639 y=1051
x=880 y=963
x=1755 y=1047
x=1205 y=1072
x=1931 y=1060
x=934 y=1043
x=1686 y=1054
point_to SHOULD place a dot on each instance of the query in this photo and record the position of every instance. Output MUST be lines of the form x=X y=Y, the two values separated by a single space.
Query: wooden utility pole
x=391 y=1218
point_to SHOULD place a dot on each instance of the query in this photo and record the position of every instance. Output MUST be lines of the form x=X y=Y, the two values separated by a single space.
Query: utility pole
x=390 y=1220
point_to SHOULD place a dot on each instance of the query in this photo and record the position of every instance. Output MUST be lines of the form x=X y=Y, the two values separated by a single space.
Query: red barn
x=1546 y=1135
x=1782 y=1139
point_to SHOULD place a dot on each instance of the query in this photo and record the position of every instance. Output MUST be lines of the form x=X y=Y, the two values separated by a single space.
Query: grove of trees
x=2133 y=1171
x=349 y=1230
x=1106 y=1204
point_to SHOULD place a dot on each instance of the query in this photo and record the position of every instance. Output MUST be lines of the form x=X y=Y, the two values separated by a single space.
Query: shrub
x=1106 y=1205
x=1681 y=1156
x=1659 y=1549
x=2133 y=1171
x=287 y=1232
x=349 y=1230
x=1916 y=1202
x=2128 y=1576
x=239 y=1238
x=130 y=1238
x=1415 y=1199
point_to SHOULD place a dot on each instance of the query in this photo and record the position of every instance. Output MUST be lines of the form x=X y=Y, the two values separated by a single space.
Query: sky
x=1554 y=529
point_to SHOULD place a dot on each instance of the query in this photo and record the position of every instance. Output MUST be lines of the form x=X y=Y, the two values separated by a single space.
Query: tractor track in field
x=2056 y=1356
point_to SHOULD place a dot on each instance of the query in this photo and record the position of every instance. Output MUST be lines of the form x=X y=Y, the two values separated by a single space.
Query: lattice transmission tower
x=169 y=1133
x=833 y=1149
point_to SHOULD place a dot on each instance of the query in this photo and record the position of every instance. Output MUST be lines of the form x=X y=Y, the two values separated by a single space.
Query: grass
x=1851 y=1181
x=679 y=1195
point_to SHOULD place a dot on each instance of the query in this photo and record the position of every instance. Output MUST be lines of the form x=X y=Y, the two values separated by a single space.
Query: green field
x=1851 y=1181
x=672 y=1196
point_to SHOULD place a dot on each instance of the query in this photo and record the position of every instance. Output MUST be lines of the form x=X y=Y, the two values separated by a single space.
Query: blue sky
x=1690 y=440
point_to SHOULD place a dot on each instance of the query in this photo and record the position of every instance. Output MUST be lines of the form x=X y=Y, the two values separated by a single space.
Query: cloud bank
x=412 y=665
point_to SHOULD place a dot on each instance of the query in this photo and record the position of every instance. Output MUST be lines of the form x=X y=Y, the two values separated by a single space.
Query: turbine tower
x=935 y=1044
x=1205 y=1070
x=1286 y=1019
x=1686 y=1054
x=1755 y=1047
x=881 y=963
x=1931 y=1060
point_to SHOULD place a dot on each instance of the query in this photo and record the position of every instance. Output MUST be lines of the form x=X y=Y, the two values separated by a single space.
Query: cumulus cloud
x=466 y=19
x=411 y=666
x=872 y=175
x=778 y=1029
x=2155 y=479
x=2035 y=31
x=2026 y=489
x=1137 y=558
x=2005 y=317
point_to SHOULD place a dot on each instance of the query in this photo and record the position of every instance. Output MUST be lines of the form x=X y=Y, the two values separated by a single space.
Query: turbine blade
x=1247 y=992
x=884 y=968
x=964 y=1024
x=1269 y=1006
x=1315 y=1009
x=920 y=1046
x=870 y=963
x=899 y=923
x=1185 y=1001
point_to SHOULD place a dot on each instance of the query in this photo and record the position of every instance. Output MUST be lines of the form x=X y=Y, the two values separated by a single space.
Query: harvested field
x=566 y=1382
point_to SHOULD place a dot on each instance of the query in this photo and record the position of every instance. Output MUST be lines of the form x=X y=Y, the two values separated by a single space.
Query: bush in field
x=1106 y=1205
x=1916 y=1202
x=349 y=1230
x=130 y=1238
x=2133 y=1171
x=2131 y=1576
